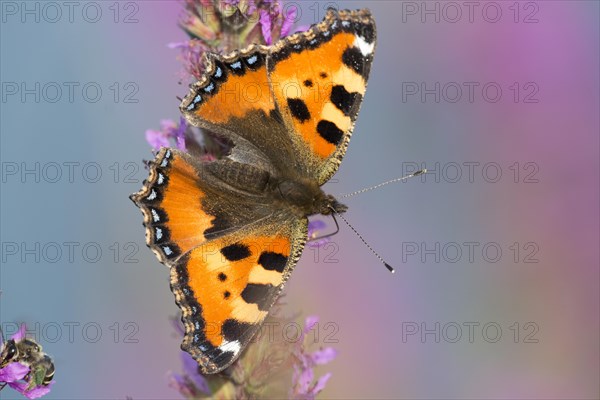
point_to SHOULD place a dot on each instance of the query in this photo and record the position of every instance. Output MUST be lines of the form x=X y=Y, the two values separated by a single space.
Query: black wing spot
x=323 y=75
x=171 y=251
x=226 y=294
x=219 y=73
x=258 y=294
x=234 y=330
x=354 y=59
x=272 y=261
x=222 y=277
x=308 y=83
x=223 y=358
x=219 y=224
x=330 y=132
x=299 y=109
x=367 y=32
x=237 y=67
x=236 y=252
x=181 y=270
x=343 y=99
x=255 y=61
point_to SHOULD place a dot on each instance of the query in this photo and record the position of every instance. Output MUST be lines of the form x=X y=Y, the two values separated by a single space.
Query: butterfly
x=231 y=230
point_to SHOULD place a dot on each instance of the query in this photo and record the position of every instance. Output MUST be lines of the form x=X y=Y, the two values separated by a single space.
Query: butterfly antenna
x=420 y=172
x=388 y=266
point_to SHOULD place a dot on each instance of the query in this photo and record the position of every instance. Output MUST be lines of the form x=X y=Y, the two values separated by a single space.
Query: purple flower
x=289 y=21
x=302 y=380
x=13 y=372
x=191 y=383
x=265 y=23
x=31 y=393
x=209 y=24
x=18 y=377
x=314 y=229
x=20 y=334
x=179 y=134
x=190 y=367
x=156 y=139
x=169 y=130
x=269 y=361
x=190 y=55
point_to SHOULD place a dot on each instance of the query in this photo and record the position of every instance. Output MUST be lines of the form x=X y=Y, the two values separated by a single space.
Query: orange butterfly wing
x=226 y=287
x=289 y=110
x=319 y=78
x=228 y=261
x=295 y=101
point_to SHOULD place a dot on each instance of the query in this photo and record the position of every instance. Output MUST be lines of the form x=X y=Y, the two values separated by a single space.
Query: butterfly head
x=308 y=198
x=331 y=205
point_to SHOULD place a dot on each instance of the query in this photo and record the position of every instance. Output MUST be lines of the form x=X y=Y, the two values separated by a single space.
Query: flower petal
x=180 y=134
x=181 y=384
x=265 y=23
x=304 y=381
x=177 y=45
x=33 y=393
x=167 y=125
x=310 y=322
x=190 y=368
x=302 y=28
x=156 y=139
x=13 y=372
x=20 y=335
x=320 y=385
x=324 y=356
x=314 y=227
x=288 y=21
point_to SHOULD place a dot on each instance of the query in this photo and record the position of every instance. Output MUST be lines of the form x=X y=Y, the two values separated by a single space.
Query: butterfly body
x=301 y=197
x=231 y=230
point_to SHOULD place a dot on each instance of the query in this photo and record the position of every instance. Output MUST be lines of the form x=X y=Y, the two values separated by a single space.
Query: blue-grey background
x=518 y=173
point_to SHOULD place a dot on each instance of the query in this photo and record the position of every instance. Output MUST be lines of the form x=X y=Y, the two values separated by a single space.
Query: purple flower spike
x=302 y=380
x=305 y=379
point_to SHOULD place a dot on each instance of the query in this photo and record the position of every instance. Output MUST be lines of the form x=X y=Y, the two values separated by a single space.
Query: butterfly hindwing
x=226 y=287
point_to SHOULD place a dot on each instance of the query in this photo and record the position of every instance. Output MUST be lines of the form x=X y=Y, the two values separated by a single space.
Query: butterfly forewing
x=319 y=78
x=299 y=104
